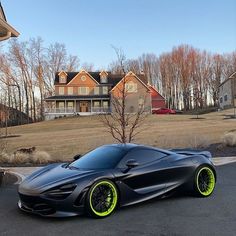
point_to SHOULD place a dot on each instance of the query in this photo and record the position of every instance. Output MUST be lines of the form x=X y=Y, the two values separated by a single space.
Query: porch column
x=91 y=105
x=54 y=109
x=75 y=106
x=65 y=107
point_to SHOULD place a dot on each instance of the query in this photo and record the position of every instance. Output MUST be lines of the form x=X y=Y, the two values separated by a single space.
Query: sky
x=88 y=28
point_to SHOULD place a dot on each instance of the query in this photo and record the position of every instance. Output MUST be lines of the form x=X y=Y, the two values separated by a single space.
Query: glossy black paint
x=60 y=190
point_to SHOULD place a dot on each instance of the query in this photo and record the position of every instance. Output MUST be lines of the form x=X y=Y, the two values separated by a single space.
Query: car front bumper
x=49 y=208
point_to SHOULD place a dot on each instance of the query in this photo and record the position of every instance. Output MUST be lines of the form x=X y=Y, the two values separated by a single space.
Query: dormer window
x=103 y=77
x=62 y=77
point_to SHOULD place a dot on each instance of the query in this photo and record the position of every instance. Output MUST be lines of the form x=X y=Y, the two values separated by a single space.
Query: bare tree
x=87 y=66
x=216 y=77
x=122 y=124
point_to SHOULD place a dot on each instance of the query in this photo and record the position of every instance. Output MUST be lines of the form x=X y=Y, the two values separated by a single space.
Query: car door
x=147 y=177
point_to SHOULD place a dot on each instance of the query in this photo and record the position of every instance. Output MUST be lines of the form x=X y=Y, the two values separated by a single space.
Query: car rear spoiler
x=192 y=152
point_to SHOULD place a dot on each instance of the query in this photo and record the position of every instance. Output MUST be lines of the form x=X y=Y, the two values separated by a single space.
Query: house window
x=221 y=100
x=61 y=106
x=83 y=77
x=103 y=78
x=225 y=97
x=105 y=104
x=131 y=87
x=96 y=104
x=62 y=79
x=70 y=90
x=70 y=105
x=104 y=90
x=83 y=90
x=61 y=90
x=96 y=91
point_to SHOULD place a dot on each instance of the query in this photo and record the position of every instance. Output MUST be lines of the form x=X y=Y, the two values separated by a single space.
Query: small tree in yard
x=123 y=124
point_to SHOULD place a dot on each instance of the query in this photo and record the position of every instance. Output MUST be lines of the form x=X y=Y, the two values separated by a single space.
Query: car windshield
x=105 y=157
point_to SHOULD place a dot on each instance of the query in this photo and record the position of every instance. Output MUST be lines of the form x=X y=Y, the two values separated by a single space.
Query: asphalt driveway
x=179 y=215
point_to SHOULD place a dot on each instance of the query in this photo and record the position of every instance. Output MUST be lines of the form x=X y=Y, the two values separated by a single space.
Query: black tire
x=102 y=199
x=204 y=181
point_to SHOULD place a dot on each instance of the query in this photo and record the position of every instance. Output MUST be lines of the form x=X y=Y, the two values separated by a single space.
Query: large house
x=227 y=92
x=87 y=93
x=6 y=30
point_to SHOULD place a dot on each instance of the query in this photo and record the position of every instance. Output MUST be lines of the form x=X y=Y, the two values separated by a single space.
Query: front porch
x=56 y=108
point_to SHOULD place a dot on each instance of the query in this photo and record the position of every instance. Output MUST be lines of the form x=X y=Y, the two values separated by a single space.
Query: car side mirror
x=132 y=163
x=76 y=157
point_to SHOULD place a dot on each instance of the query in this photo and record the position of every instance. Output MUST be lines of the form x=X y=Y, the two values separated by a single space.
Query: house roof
x=232 y=76
x=112 y=79
x=6 y=30
x=154 y=89
x=140 y=78
x=2 y=14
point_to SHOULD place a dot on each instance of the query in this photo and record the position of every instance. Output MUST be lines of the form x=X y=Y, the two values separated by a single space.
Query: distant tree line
x=187 y=77
x=27 y=72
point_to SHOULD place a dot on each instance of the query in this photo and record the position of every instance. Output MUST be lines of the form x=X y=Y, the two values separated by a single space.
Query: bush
x=19 y=158
x=229 y=138
x=40 y=157
x=4 y=158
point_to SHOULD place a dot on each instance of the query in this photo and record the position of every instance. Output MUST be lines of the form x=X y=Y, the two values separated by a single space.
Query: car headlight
x=60 y=192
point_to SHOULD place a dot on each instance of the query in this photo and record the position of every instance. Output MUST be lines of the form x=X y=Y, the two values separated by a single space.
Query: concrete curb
x=20 y=177
x=218 y=161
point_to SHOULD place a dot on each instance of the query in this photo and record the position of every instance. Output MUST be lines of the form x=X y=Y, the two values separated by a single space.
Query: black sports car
x=115 y=175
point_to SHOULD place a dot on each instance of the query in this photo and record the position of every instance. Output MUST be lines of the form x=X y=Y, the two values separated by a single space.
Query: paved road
x=175 y=216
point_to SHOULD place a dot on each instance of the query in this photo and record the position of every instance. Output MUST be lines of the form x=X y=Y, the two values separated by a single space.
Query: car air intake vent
x=61 y=192
x=80 y=199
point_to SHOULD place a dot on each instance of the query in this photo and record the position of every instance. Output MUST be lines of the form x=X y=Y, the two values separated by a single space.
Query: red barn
x=158 y=101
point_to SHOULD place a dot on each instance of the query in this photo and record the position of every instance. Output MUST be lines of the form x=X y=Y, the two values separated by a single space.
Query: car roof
x=124 y=146
x=128 y=146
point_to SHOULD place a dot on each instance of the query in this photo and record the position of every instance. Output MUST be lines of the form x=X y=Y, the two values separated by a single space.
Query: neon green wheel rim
x=205 y=181
x=110 y=200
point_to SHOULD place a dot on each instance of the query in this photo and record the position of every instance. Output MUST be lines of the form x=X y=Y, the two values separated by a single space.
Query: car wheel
x=102 y=199
x=204 y=181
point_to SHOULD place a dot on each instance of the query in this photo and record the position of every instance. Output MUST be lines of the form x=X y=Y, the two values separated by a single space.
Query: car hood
x=51 y=176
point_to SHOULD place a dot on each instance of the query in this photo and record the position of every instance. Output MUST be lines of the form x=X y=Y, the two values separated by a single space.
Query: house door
x=83 y=106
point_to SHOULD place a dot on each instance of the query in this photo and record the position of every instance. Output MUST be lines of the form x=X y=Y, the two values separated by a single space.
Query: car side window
x=142 y=156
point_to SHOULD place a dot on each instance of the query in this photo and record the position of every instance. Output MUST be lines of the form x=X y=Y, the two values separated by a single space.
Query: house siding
x=157 y=100
x=227 y=91
x=132 y=99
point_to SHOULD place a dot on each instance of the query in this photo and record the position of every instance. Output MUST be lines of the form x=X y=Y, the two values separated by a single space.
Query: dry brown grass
x=63 y=138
